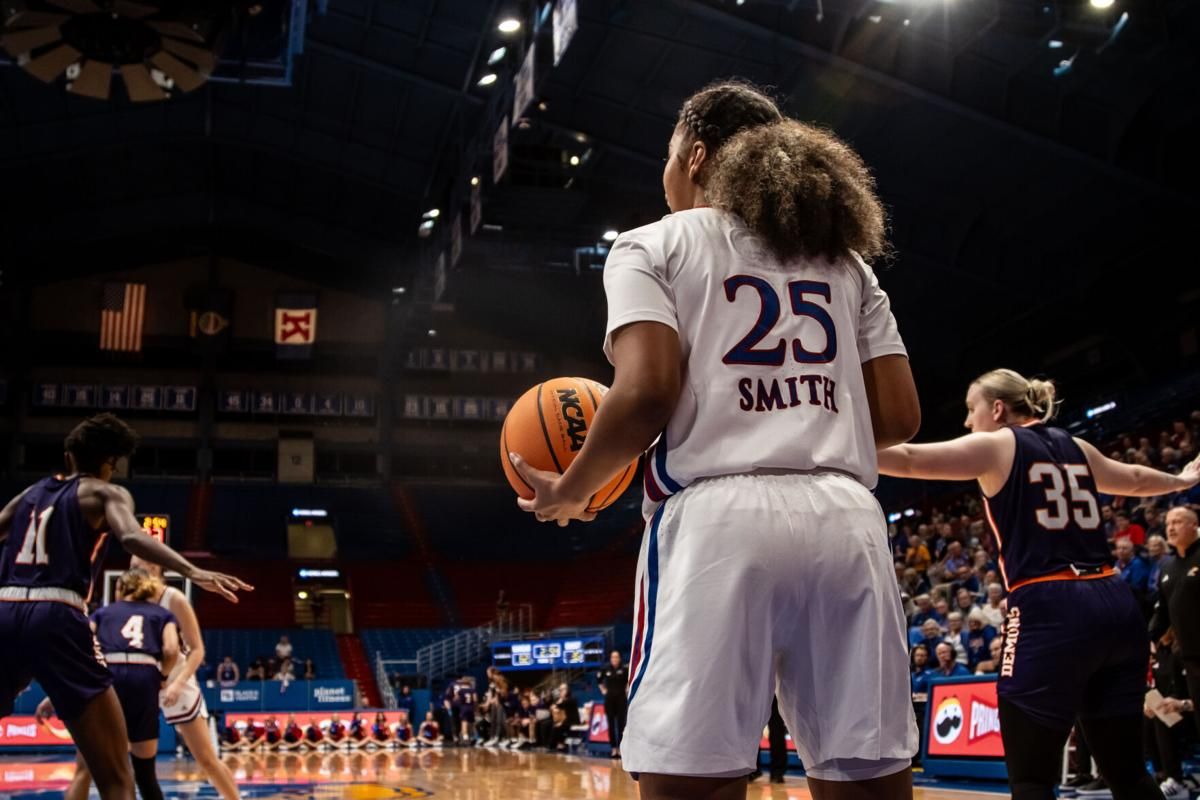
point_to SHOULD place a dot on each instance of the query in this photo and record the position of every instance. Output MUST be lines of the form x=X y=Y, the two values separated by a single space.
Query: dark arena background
x=314 y=251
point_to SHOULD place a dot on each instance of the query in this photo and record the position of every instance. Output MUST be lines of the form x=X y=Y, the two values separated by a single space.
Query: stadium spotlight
x=474 y=180
x=432 y=213
x=509 y=25
x=1101 y=4
x=610 y=235
x=1055 y=44
x=432 y=333
x=488 y=80
x=574 y=161
x=399 y=290
x=425 y=229
x=302 y=595
x=497 y=56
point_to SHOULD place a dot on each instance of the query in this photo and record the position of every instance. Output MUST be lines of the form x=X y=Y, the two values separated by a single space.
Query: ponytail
x=139 y=585
x=1034 y=398
x=800 y=188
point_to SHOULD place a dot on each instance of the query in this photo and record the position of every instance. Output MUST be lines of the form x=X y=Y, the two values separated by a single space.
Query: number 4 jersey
x=772 y=352
x=50 y=544
x=1045 y=518
x=132 y=627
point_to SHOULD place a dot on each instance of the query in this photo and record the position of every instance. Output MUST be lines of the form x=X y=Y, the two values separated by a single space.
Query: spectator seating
x=385 y=595
x=247 y=645
x=401 y=643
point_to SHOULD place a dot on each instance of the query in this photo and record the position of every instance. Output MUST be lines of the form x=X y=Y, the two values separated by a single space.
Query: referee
x=1178 y=605
x=613 y=679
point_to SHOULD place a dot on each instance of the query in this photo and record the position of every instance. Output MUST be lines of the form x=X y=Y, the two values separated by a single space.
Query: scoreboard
x=156 y=525
x=575 y=653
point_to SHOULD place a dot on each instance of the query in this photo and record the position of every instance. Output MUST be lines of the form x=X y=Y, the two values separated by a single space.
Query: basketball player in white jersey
x=753 y=342
x=181 y=699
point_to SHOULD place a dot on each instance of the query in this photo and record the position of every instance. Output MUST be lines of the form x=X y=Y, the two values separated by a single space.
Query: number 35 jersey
x=772 y=352
x=132 y=627
x=1046 y=518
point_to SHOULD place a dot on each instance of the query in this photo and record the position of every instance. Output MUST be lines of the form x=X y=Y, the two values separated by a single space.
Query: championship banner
x=523 y=95
x=210 y=315
x=566 y=21
x=455 y=239
x=500 y=151
x=476 y=207
x=295 y=325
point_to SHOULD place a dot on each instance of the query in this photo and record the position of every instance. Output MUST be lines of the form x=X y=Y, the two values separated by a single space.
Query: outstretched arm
x=970 y=457
x=118 y=512
x=1133 y=480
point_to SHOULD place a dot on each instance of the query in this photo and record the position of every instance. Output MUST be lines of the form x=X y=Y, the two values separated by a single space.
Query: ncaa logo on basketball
x=572 y=414
x=948 y=721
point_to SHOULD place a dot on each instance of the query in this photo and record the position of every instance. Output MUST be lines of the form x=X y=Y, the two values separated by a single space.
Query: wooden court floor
x=463 y=774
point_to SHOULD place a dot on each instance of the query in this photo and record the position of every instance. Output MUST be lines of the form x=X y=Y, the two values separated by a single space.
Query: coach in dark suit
x=1178 y=605
x=613 y=679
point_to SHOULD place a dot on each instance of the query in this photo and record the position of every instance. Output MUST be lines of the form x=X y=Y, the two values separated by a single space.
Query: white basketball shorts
x=754 y=585
x=188 y=707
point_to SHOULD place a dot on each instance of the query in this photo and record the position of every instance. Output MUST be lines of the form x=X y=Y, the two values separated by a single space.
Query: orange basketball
x=547 y=427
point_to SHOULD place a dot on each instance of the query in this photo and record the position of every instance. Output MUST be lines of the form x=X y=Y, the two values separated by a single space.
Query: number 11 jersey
x=772 y=352
x=50 y=543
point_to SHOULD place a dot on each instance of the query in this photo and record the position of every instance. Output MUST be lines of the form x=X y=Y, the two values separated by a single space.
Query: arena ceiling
x=1038 y=160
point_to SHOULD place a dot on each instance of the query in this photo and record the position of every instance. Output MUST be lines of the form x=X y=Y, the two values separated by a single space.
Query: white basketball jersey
x=772 y=353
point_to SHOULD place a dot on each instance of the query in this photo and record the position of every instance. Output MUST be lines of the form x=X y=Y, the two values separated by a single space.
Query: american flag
x=122 y=312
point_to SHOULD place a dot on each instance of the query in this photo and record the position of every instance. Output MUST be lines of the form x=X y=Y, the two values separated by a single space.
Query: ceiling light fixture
x=497 y=56
x=488 y=80
x=610 y=235
x=509 y=25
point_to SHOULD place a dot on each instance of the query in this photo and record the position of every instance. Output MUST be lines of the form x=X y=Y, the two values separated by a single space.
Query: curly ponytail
x=138 y=585
x=803 y=190
x=1034 y=398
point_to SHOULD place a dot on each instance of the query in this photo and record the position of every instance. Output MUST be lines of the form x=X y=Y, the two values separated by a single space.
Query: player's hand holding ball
x=549 y=502
x=542 y=435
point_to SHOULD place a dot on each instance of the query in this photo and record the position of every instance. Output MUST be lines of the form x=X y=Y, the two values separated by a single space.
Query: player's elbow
x=653 y=398
x=897 y=428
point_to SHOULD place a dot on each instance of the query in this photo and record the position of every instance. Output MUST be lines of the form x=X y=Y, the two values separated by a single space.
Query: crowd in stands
x=282 y=666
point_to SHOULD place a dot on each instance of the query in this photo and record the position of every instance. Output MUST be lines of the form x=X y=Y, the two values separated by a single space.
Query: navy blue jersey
x=1046 y=518
x=125 y=627
x=50 y=543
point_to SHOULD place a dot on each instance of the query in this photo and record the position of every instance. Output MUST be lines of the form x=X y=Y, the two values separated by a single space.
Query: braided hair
x=720 y=110
x=805 y=192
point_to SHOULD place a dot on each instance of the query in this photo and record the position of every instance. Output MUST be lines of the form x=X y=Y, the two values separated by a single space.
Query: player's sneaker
x=1096 y=789
x=1173 y=790
x=1082 y=779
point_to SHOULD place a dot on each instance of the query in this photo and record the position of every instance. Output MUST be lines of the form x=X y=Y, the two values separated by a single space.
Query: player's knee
x=115 y=783
x=146 y=778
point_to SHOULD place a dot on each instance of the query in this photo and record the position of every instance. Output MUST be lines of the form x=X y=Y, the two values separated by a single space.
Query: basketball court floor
x=463 y=774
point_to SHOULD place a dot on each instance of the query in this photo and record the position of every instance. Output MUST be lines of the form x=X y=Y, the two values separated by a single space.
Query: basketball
x=547 y=427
